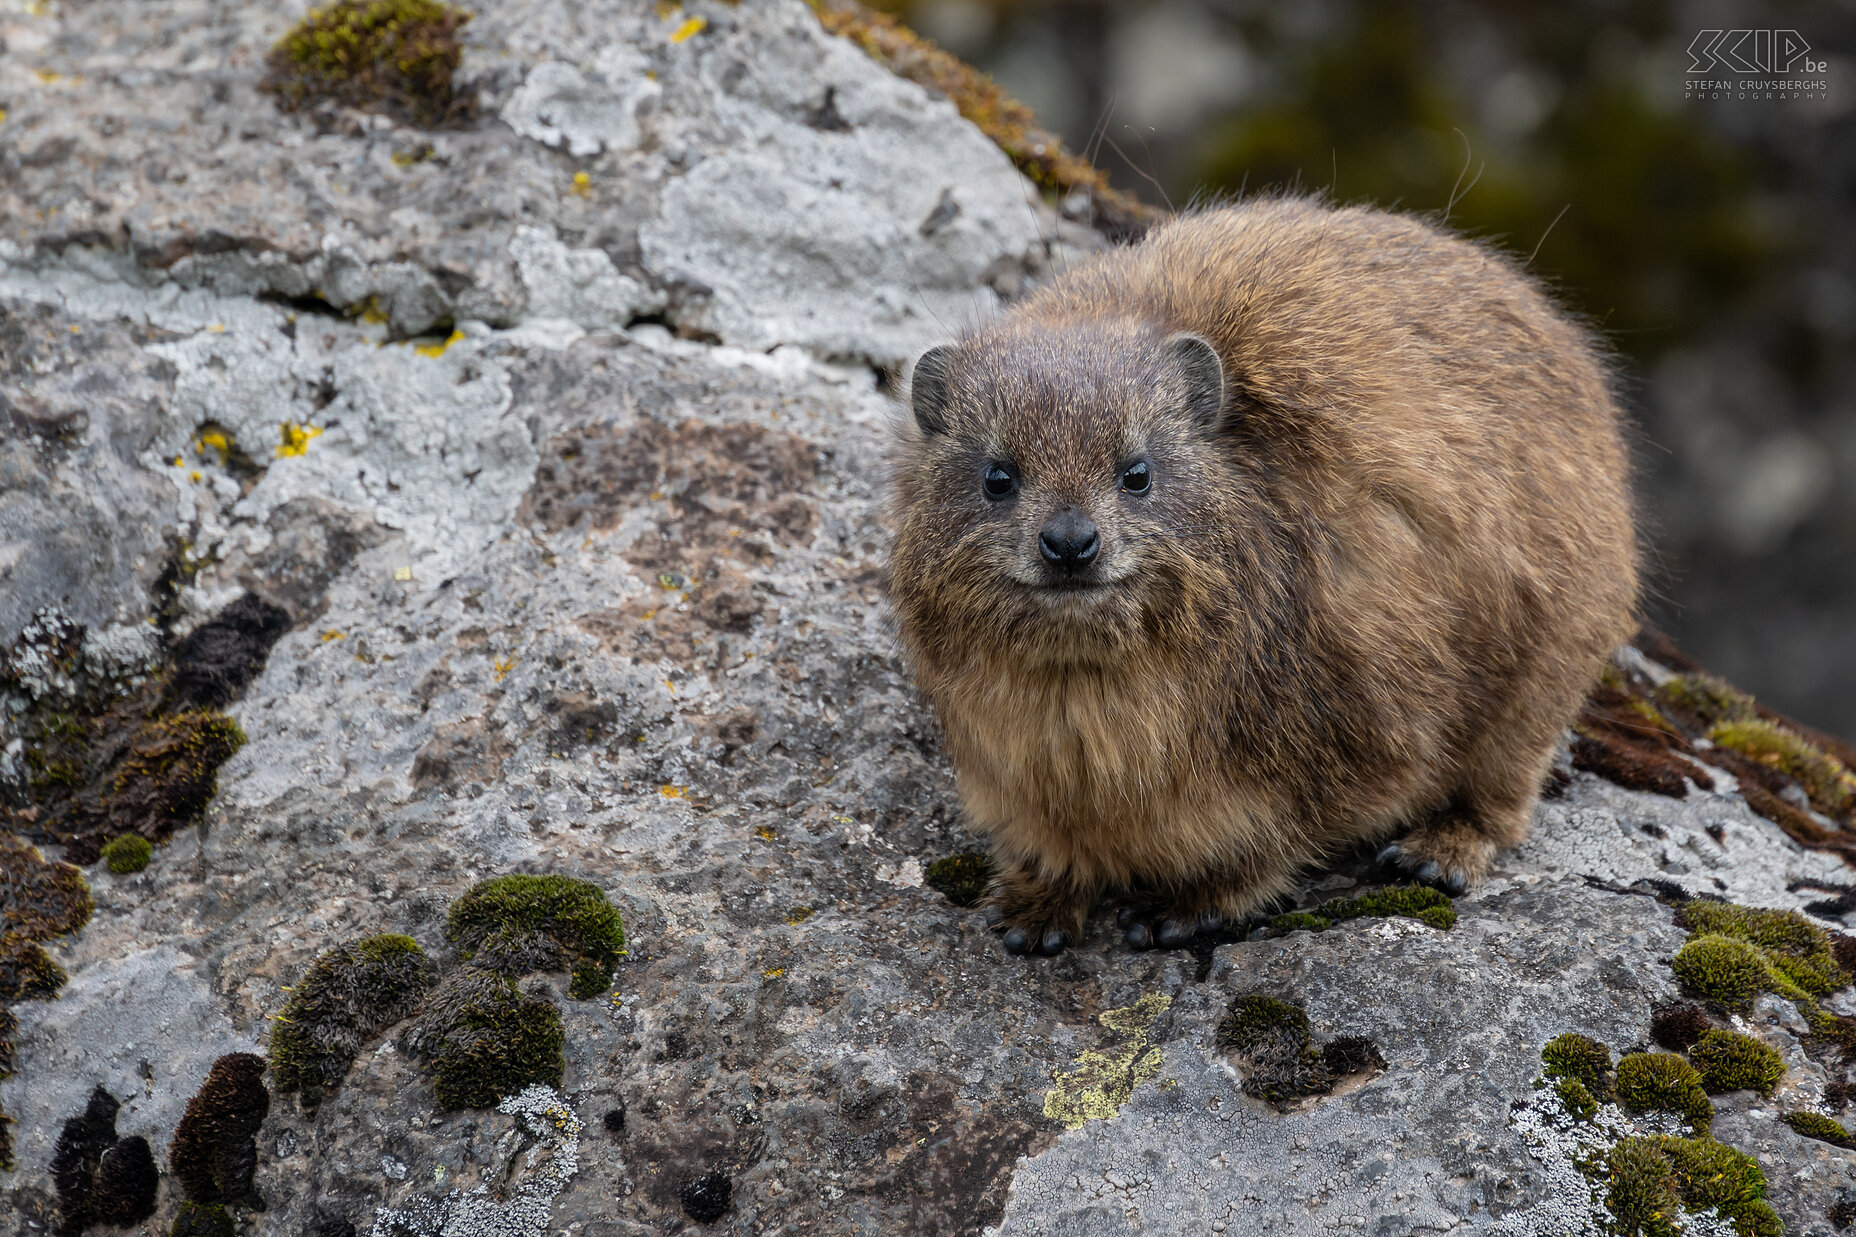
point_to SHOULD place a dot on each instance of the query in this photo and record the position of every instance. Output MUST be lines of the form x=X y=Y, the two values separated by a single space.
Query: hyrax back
x=1289 y=528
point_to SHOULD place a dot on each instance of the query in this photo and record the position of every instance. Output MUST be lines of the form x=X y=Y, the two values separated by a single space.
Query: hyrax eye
x=1137 y=478
x=1001 y=481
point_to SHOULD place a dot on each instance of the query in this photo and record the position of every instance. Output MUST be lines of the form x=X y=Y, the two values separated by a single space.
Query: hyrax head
x=1051 y=474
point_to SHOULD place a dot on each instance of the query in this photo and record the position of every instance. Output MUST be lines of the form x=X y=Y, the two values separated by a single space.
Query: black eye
x=1136 y=478
x=1001 y=481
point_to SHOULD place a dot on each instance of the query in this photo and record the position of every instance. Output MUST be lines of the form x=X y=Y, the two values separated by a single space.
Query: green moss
x=1580 y=1104
x=1711 y=1174
x=128 y=853
x=1640 y=1189
x=485 y=1040
x=201 y=1220
x=171 y=771
x=1579 y=1058
x=1822 y=1128
x=347 y=996
x=39 y=900
x=1728 y=1061
x=27 y=972
x=1723 y=969
x=1258 y=1021
x=1424 y=904
x=1270 y=1038
x=1796 y=947
x=394 y=55
x=1830 y=786
x=1708 y=698
x=1665 y=1082
x=961 y=879
x=517 y=924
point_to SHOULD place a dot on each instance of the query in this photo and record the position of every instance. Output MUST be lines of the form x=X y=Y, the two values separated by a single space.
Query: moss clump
x=347 y=997
x=1723 y=969
x=517 y=924
x=100 y=1178
x=1010 y=125
x=1728 y=1061
x=39 y=900
x=1830 y=786
x=1581 y=1104
x=1270 y=1037
x=214 y=1154
x=1422 y=903
x=1579 y=1058
x=127 y=853
x=1820 y=1127
x=1665 y=1082
x=1676 y=1027
x=1711 y=1174
x=1640 y=1189
x=171 y=771
x=1707 y=698
x=201 y=1220
x=1793 y=945
x=394 y=55
x=961 y=879
x=485 y=1040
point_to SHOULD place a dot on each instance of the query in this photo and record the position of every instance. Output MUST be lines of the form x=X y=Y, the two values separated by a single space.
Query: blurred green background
x=1712 y=241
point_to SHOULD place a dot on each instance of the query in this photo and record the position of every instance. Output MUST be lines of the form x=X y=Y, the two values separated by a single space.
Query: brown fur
x=1369 y=596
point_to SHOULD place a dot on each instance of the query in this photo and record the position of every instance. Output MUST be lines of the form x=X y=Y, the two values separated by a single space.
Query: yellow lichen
x=690 y=28
x=583 y=184
x=438 y=349
x=296 y=439
x=1102 y=1082
x=501 y=667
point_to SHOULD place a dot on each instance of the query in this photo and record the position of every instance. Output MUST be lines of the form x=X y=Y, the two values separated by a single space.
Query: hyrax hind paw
x=1168 y=927
x=1450 y=854
x=1032 y=917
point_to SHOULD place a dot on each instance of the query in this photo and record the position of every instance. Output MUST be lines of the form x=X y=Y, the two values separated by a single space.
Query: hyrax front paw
x=1451 y=854
x=1168 y=927
x=1033 y=917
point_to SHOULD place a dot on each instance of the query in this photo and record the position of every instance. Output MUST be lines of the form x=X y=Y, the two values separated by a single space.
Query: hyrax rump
x=1289 y=528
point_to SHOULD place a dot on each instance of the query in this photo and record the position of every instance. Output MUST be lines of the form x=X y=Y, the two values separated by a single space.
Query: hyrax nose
x=1069 y=542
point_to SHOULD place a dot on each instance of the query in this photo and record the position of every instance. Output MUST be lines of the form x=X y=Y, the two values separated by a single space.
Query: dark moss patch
x=517 y=924
x=615 y=1119
x=1640 y=1188
x=215 y=1150
x=1729 y=1061
x=396 y=56
x=39 y=900
x=193 y=1219
x=1269 y=1037
x=1664 y=1082
x=707 y=1198
x=127 y=853
x=1677 y=1026
x=347 y=997
x=961 y=879
x=1037 y=152
x=101 y=1179
x=220 y=657
x=1580 y=1059
x=1428 y=906
x=1820 y=1127
x=485 y=1040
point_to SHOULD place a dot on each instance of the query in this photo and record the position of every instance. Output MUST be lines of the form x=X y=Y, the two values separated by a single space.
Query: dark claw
x=1390 y=855
x=1428 y=871
x=1015 y=941
x=1455 y=883
x=1210 y=921
x=1127 y=915
x=1141 y=936
x=994 y=916
x=1173 y=933
x=1053 y=942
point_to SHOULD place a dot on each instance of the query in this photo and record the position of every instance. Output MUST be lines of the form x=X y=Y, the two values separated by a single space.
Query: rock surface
x=587 y=581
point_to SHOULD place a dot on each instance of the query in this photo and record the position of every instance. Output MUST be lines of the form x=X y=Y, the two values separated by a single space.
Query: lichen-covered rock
x=557 y=431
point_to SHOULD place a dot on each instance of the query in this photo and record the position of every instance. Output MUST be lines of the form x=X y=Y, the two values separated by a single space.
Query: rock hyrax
x=1289 y=528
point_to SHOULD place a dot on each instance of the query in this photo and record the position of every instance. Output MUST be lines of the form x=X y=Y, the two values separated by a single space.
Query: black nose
x=1069 y=542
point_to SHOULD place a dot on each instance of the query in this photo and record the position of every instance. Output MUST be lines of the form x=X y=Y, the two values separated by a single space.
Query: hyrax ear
x=1203 y=371
x=928 y=388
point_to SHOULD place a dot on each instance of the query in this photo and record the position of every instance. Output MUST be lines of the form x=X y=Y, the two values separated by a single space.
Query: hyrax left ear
x=1198 y=363
x=928 y=388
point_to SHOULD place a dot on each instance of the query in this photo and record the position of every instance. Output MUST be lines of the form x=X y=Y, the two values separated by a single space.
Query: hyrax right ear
x=928 y=388
x=1203 y=371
